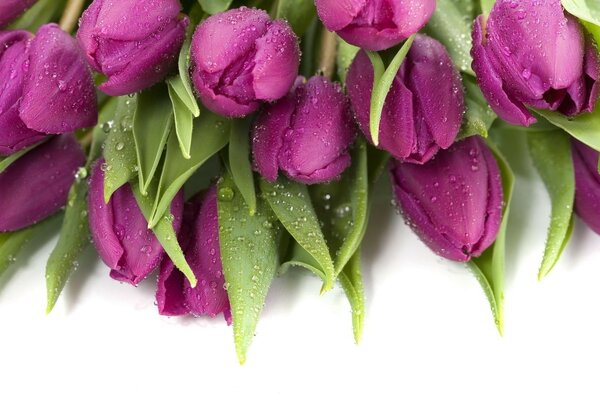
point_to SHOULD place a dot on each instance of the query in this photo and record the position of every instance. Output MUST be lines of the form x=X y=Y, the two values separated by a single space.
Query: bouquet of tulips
x=222 y=142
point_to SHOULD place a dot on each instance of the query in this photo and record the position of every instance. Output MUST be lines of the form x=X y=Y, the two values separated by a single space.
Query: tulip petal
x=337 y=14
x=169 y=292
x=587 y=184
x=10 y=9
x=36 y=185
x=509 y=109
x=58 y=93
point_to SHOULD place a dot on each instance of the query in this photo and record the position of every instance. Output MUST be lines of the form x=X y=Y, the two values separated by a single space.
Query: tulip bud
x=134 y=43
x=240 y=58
x=45 y=87
x=121 y=233
x=200 y=241
x=37 y=184
x=374 y=24
x=305 y=134
x=424 y=108
x=11 y=9
x=454 y=202
x=531 y=54
x=587 y=184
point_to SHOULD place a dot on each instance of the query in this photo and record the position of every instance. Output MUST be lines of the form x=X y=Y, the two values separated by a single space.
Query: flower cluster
x=118 y=122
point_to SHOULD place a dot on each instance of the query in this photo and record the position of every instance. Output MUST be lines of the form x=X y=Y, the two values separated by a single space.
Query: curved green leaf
x=152 y=124
x=6 y=161
x=451 y=25
x=182 y=84
x=584 y=127
x=184 y=123
x=249 y=252
x=42 y=12
x=478 y=115
x=239 y=162
x=551 y=155
x=100 y=131
x=214 y=6
x=486 y=6
x=12 y=242
x=74 y=238
x=489 y=267
x=291 y=203
x=301 y=258
x=164 y=232
x=119 y=149
x=298 y=13
x=588 y=11
x=345 y=55
x=382 y=82
x=211 y=134
x=352 y=282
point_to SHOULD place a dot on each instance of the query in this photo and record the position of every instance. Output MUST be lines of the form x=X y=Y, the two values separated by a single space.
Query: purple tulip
x=241 y=58
x=454 y=202
x=424 y=108
x=134 y=43
x=530 y=53
x=200 y=241
x=37 y=184
x=121 y=233
x=305 y=134
x=45 y=87
x=375 y=24
x=11 y=9
x=587 y=184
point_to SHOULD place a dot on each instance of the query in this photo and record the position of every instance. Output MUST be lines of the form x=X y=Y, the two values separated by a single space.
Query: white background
x=428 y=333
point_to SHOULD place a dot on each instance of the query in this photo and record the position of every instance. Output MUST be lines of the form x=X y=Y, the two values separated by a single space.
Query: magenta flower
x=199 y=237
x=37 y=184
x=11 y=9
x=375 y=24
x=241 y=58
x=424 y=108
x=454 y=202
x=305 y=134
x=532 y=54
x=120 y=231
x=134 y=43
x=45 y=87
x=587 y=184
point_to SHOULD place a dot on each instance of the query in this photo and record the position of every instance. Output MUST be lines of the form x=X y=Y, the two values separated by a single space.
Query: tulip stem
x=71 y=15
x=327 y=53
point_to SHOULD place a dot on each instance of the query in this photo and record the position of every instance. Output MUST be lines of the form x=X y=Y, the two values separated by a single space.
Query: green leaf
x=345 y=55
x=249 y=252
x=181 y=83
x=99 y=133
x=152 y=124
x=239 y=162
x=214 y=6
x=351 y=280
x=184 y=123
x=551 y=154
x=12 y=242
x=588 y=11
x=301 y=258
x=478 y=116
x=164 y=231
x=342 y=208
x=298 y=13
x=41 y=13
x=584 y=127
x=6 y=161
x=119 y=149
x=490 y=266
x=382 y=82
x=74 y=238
x=291 y=203
x=486 y=6
x=211 y=134
x=451 y=25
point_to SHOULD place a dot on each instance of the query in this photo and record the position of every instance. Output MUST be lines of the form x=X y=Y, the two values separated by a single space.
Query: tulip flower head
x=454 y=202
x=120 y=231
x=375 y=24
x=531 y=54
x=45 y=87
x=37 y=184
x=587 y=184
x=305 y=134
x=200 y=242
x=241 y=58
x=424 y=109
x=134 y=43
